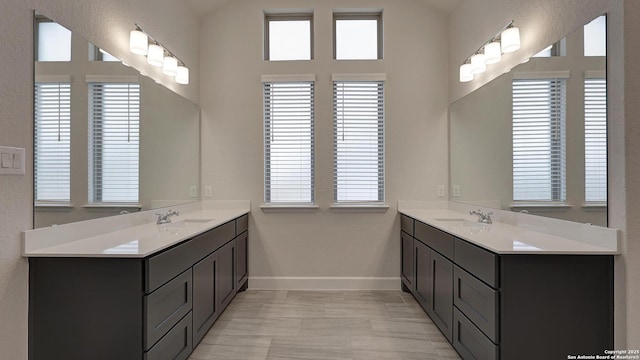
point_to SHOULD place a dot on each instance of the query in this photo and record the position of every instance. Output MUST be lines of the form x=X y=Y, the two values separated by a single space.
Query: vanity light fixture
x=157 y=55
x=505 y=41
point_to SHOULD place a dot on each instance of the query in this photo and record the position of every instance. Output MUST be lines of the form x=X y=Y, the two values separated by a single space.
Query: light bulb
x=138 y=42
x=477 y=64
x=510 y=40
x=155 y=55
x=465 y=73
x=182 y=75
x=492 y=53
x=170 y=66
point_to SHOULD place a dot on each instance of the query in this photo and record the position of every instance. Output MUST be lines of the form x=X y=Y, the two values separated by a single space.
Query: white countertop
x=505 y=238
x=128 y=242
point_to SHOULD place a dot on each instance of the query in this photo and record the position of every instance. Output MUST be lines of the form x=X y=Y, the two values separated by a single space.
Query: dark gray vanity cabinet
x=153 y=308
x=510 y=306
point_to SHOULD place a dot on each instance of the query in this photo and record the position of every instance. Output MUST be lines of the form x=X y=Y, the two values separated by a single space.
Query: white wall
x=324 y=243
x=106 y=23
x=542 y=22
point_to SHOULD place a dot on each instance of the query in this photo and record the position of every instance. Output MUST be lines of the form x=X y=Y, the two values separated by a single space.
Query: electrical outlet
x=207 y=191
x=193 y=191
x=440 y=191
x=456 y=190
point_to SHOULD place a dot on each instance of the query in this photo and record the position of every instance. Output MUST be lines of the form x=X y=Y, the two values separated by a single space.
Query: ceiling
x=204 y=7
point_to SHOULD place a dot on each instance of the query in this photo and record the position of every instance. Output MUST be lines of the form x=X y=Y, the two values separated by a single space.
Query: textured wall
x=325 y=243
x=106 y=23
x=543 y=22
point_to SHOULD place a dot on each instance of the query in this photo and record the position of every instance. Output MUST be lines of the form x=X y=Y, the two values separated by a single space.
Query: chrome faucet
x=484 y=218
x=166 y=218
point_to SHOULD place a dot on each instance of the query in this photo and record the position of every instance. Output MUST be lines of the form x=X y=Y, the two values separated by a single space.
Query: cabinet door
x=408 y=274
x=442 y=304
x=227 y=287
x=423 y=275
x=205 y=296
x=242 y=269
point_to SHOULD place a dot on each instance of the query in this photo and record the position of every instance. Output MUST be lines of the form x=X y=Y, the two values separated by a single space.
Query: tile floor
x=349 y=325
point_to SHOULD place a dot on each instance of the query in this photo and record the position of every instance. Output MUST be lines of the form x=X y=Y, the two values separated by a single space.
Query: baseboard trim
x=323 y=283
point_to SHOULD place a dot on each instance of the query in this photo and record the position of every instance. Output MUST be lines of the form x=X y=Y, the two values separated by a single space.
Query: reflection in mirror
x=106 y=139
x=534 y=139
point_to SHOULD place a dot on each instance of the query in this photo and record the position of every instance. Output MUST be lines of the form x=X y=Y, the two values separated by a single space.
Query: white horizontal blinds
x=289 y=142
x=358 y=140
x=52 y=141
x=595 y=139
x=539 y=162
x=114 y=140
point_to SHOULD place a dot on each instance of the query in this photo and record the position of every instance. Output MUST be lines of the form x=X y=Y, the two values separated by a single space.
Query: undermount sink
x=185 y=223
x=462 y=222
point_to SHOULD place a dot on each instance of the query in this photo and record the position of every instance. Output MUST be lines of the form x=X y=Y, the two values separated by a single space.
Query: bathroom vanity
x=498 y=291
x=145 y=292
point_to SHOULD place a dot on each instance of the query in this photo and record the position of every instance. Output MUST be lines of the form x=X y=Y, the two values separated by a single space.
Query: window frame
x=298 y=16
x=380 y=80
x=373 y=15
x=288 y=79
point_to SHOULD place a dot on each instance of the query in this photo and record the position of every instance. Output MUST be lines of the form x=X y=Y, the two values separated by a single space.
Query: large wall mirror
x=107 y=140
x=534 y=140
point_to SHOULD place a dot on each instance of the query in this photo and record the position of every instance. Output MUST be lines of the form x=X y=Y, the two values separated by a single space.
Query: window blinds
x=52 y=141
x=114 y=139
x=289 y=142
x=539 y=162
x=358 y=140
x=595 y=139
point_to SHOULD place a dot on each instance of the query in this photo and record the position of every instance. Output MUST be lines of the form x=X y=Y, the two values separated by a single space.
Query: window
x=52 y=141
x=289 y=142
x=53 y=41
x=288 y=37
x=357 y=36
x=539 y=162
x=98 y=54
x=114 y=139
x=595 y=140
x=358 y=141
x=595 y=37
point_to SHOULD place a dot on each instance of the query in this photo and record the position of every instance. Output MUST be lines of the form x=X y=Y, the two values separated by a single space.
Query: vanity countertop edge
x=137 y=241
x=503 y=238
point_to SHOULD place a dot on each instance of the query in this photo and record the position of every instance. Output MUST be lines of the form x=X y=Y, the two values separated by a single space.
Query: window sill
x=53 y=205
x=541 y=205
x=288 y=208
x=112 y=205
x=364 y=208
x=595 y=205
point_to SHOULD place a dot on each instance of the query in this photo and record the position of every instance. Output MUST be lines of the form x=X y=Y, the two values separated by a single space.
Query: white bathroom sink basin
x=458 y=222
x=185 y=223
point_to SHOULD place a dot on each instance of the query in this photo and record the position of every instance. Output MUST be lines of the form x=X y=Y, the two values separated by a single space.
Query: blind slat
x=114 y=142
x=289 y=142
x=52 y=141
x=539 y=160
x=595 y=139
x=358 y=139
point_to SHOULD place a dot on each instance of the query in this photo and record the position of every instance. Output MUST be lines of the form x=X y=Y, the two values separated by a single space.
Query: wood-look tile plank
x=356 y=310
x=311 y=347
x=336 y=327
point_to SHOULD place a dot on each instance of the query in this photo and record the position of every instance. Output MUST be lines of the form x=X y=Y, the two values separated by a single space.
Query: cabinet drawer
x=166 y=306
x=438 y=240
x=176 y=345
x=481 y=263
x=469 y=341
x=204 y=244
x=242 y=224
x=477 y=301
x=166 y=265
x=406 y=224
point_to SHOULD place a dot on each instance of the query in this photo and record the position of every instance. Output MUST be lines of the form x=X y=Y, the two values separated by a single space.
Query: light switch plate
x=455 y=189
x=440 y=191
x=208 y=191
x=193 y=191
x=12 y=161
